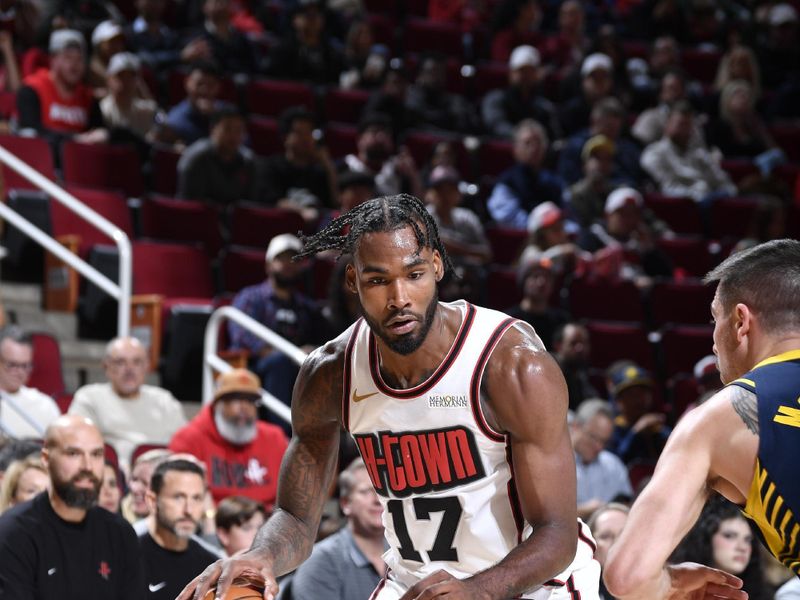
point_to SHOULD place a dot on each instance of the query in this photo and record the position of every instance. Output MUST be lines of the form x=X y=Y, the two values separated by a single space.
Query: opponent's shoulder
x=732 y=407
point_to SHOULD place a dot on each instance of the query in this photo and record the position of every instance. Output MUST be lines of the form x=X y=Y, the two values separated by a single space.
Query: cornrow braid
x=386 y=213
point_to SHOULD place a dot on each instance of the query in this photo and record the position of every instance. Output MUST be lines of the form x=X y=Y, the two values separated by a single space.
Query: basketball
x=239 y=591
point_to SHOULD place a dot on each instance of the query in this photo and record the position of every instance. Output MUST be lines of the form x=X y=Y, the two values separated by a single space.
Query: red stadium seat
x=610 y=300
x=619 y=341
x=732 y=217
x=176 y=88
x=322 y=269
x=701 y=64
x=270 y=97
x=172 y=270
x=495 y=156
x=165 y=170
x=738 y=169
x=422 y=143
x=35 y=152
x=685 y=302
x=690 y=254
x=265 y=136
x=255 y=226
x=111 y=205
x=502 y=290
x=787 y=136
x=103 y=166
x=490 y=76
x=423 y=35
x=341 y=139
x=242 y=267
x=8 y=104
x=384 y=29
x=682 y=346
x=169 y=219
x=682 y=390
x=682 y=215
x=506 y=243
x=345 y=105
x=639 y=472
x=46 y=376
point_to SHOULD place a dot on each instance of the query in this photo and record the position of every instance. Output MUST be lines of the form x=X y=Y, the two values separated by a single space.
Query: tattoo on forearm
x=746 y=406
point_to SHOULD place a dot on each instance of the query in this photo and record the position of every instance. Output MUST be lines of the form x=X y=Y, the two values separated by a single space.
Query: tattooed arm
x=307 y=472
x=712 y=447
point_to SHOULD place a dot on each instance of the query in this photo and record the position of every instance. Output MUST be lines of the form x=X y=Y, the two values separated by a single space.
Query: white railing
x=9 y=402
x=120 y=292
x=212 y=362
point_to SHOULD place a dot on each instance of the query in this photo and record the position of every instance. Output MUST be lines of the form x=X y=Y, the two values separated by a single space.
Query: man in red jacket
x=242 y=454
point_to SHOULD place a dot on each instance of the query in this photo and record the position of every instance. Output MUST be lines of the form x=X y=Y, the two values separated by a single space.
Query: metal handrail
x=10 y=402
x=120 y=292
x=212 y=362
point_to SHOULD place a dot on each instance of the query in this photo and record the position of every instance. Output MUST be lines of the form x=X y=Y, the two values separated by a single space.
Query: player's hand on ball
x=227 y=572
x=692 y=581
x=443 y=585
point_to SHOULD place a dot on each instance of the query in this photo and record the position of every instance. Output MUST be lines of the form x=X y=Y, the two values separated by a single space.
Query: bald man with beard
x=60 y=545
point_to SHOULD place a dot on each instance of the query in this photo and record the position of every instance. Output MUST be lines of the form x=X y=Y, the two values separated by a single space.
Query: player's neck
x=774 y=346
x=66 y=513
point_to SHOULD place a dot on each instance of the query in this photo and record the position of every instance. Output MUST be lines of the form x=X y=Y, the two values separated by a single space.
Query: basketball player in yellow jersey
x=744 y=442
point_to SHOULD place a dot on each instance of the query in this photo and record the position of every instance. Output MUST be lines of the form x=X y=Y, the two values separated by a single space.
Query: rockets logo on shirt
x=413 y=462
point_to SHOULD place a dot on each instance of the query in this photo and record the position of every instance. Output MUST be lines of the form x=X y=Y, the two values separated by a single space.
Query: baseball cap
x=706 y=366
x=443 y=174
x=238 y=383
x=524 y=56
x=629 y=376
x=595 y=61
x=62 y=39
x=781 y=14
x=105 y=31
x=543 y=215
x=532 y=258
x=123 y=61
x=284 y=242
x=597 y=142
x=622 y=197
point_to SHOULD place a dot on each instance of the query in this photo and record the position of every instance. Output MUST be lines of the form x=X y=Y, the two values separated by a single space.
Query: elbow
x=621 y=581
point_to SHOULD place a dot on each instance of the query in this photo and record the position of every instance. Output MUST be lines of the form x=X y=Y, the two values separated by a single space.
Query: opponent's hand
x=692 y=581
x=442 y=584
x=223 y=572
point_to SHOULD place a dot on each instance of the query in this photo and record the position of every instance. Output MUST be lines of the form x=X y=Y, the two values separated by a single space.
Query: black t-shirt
x=281 y=179
x=167 y=572
x=43 y=557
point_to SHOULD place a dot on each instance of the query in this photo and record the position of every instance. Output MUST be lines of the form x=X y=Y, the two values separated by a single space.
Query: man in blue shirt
x=190 y=120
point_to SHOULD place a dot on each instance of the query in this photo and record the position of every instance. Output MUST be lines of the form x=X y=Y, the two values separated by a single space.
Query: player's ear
x=438 y=265
x=743 y=318
x=350 y=278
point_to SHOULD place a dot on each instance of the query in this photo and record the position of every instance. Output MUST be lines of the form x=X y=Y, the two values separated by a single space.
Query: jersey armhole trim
x=347 y=374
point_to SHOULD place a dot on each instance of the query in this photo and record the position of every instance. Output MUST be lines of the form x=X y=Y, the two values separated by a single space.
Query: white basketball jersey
x=445 y=478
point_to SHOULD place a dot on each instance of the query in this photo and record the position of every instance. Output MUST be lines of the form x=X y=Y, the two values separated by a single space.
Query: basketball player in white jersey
x=460 y=416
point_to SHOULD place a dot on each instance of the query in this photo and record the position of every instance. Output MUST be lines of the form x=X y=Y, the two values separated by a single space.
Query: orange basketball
x=240 y=590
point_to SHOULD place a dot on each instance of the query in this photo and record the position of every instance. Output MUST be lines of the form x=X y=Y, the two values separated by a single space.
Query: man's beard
x=409 y=342
x=285 y=282
x=232 y=432
x=172 y=526
x=74 y=496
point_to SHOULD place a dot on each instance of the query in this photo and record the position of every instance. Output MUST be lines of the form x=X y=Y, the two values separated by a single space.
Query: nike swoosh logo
x=357 y=398
x=157 y=586
x=51 y=571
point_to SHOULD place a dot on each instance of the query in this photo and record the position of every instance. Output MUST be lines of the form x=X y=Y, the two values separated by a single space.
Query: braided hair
x=386 y=213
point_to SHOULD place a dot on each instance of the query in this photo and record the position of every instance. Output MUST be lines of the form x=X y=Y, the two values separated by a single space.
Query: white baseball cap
x=104 y=32
x=780 y=14
x=61 y=39
x=283 y=243
x=621 y=197
x=123 y=61
x=706 y=366
x=595 y=61
x=524 y=56
x=543 y=215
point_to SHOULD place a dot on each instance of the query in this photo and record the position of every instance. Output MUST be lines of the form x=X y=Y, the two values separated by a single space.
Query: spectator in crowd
x=606 y=524
x=647 y=76
x=723 y=539
x=393 y=172
x=16 y=364
x=624 y=233
x=739 y=131
x=572 y=350
x=126 y=410
x=55 y=103
x=548 y=234
x=597 y=82
x=607 y=119
x=565 y=50
x=242 y=454
x=23 y=480
x=307 y=52
x=229 y=48
x=738 y=64
x=390 y=99
x=342 y=308
x=435 y=107
x=303 y=176
x=525 y=184
x=779 y=50
x=156 y=44
x=219 y=169
x=349 y=563
x=707 y=380
x=536 y=279
x=108 y=39
x=649 y=125
x=110 y=489
x=515 y=23
x=639 y=432
x=189 y=120
x=125 y=114
x=289 y=313
x=238 y=519
x=9 y=68
x=12 y=450
x=134 y=504
x=680 y=168
x=365 y=61
x=60 y=544
x=602 y=477
x=170 y=558
x=461 y=232
x=503 y=108
x=585 y=199
x=354 y=189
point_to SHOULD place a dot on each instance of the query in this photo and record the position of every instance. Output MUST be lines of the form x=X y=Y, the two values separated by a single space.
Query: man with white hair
x=127 y=411
x=242 y=454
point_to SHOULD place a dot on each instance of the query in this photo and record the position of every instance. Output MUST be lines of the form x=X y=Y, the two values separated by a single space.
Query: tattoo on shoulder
x=746 y=406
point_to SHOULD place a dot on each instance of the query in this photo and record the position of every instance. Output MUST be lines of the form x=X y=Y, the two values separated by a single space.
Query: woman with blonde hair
x=739 y=131
x=23 y=480
x=739 y=63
